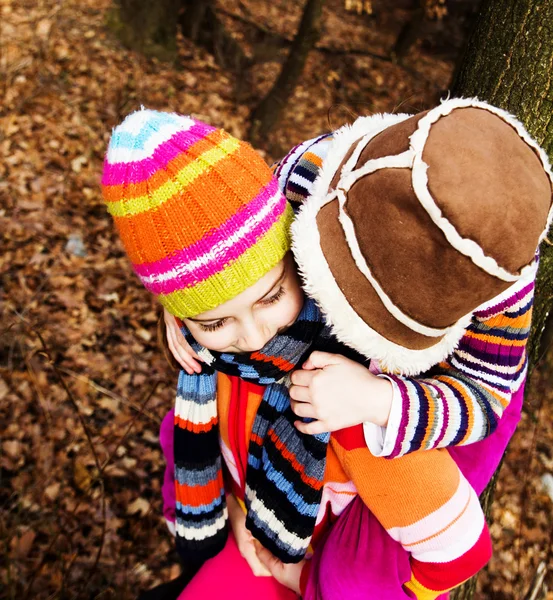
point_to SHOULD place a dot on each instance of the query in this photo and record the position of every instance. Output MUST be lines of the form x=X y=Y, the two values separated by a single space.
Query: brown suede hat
x=416 y=221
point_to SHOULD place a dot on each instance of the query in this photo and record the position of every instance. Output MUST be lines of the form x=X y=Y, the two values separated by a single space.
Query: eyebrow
x=277 y=282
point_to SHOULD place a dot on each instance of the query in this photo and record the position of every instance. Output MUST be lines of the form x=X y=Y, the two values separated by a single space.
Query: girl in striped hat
x=206 y=228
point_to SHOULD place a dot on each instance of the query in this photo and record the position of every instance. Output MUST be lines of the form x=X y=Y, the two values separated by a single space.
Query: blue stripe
x=200 y=524
x=287 y=488
x=194 y=477
x=203 y=508
x=151 y=125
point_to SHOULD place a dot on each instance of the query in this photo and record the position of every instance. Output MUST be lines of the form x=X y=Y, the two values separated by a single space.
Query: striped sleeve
x=297 y=171
x=461 y=400
x=426 y=504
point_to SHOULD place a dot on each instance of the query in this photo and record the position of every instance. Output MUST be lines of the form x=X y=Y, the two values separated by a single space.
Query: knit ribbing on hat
x=198 y=211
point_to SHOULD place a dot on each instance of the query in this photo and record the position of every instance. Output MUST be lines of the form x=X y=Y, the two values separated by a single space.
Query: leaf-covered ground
x=83 y=385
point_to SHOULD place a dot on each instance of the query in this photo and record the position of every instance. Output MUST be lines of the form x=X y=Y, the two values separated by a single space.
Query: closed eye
x=212 y=326
x=274 y=298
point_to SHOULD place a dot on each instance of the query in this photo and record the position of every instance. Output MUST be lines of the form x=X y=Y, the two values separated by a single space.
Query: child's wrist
x=381 y=403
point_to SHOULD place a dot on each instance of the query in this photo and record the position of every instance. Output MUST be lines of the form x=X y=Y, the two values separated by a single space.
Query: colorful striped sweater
x=461 y=400
x=438 y=519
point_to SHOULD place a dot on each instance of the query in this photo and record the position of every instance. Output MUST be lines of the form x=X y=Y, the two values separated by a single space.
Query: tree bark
x=148 y=27
x=508 y=61
x=201 y=24
x=409 y=33
x=267 y=113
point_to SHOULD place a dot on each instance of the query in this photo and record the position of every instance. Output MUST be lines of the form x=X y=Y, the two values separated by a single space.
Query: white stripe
x=123 y=155
x=499 y=369
x=269 y=519
x=439 y=414
x=196 y=413
x=221 y=246
x=448 y=532
x=453 y=411
x=291 y=160
x=193 y=533
x=457 y=540
x=301 y=180
x=479 y=428
x=413 y=416
x=338 y=495
x=485 y=378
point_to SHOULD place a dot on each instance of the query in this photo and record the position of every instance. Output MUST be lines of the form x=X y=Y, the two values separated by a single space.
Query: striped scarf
x=285 y=470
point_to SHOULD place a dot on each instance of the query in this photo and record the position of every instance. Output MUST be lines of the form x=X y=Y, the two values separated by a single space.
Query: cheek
x=213 y=340
x=291 y=307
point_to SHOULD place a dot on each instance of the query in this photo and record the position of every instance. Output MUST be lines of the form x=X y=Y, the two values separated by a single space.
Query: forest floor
x=83 y=384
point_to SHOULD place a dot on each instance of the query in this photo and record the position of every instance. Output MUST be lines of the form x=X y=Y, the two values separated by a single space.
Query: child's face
x=248 y=321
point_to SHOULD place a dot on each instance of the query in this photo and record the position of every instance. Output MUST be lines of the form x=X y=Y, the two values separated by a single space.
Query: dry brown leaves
x=81 y=467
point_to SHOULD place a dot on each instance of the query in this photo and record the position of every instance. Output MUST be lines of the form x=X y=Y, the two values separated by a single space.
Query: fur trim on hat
x=342 y=141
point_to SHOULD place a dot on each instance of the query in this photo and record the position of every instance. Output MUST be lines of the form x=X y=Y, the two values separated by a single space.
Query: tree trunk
x=200 y=23
x=409 y=33
x=508 y=62
x=148 y=27
x=267 y=113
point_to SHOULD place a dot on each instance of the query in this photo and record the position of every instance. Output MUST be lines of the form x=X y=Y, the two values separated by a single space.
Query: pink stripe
x=220 y=261
x=141 y=170
x=402 y=429
x=506 y=304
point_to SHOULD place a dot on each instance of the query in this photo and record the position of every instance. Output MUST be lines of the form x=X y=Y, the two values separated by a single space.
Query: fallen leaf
x=52 y=491
x=12 y=448
x=21 y=545
x=140 y=505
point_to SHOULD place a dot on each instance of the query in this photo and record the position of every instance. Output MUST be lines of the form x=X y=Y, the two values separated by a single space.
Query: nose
x=254 y=336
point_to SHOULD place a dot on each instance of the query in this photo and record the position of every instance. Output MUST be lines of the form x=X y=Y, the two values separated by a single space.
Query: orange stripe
x=316 y=160
x=198 y=494
x=448 y=526
x=431 y=416
x=125 y=192
x=205 y=204
x=282 y=364
x=195 y=427
x=256 y=439
x=494 y=339
x=291 y=458
x=520 y=322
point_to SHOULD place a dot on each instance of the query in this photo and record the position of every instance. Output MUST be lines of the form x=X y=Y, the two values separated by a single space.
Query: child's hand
x=286 y=574
x=244 y=539
x=179 y=347
x=338 y=393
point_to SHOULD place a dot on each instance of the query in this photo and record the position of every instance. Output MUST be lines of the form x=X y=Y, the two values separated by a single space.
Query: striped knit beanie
x=199 y=213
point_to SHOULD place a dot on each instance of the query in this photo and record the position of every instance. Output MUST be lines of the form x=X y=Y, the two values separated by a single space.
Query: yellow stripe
x=239 y=275
x=422 y=592
x=184 y=177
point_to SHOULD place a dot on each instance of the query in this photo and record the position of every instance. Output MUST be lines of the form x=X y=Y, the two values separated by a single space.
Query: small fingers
x=303 y=409
x=313 y=428
x=299 y=393
x=269 y=561
x=302 y=378
x=249 y=554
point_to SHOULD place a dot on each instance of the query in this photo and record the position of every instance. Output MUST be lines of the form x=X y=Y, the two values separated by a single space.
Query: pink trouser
x=228 y=576
x=357 y=559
